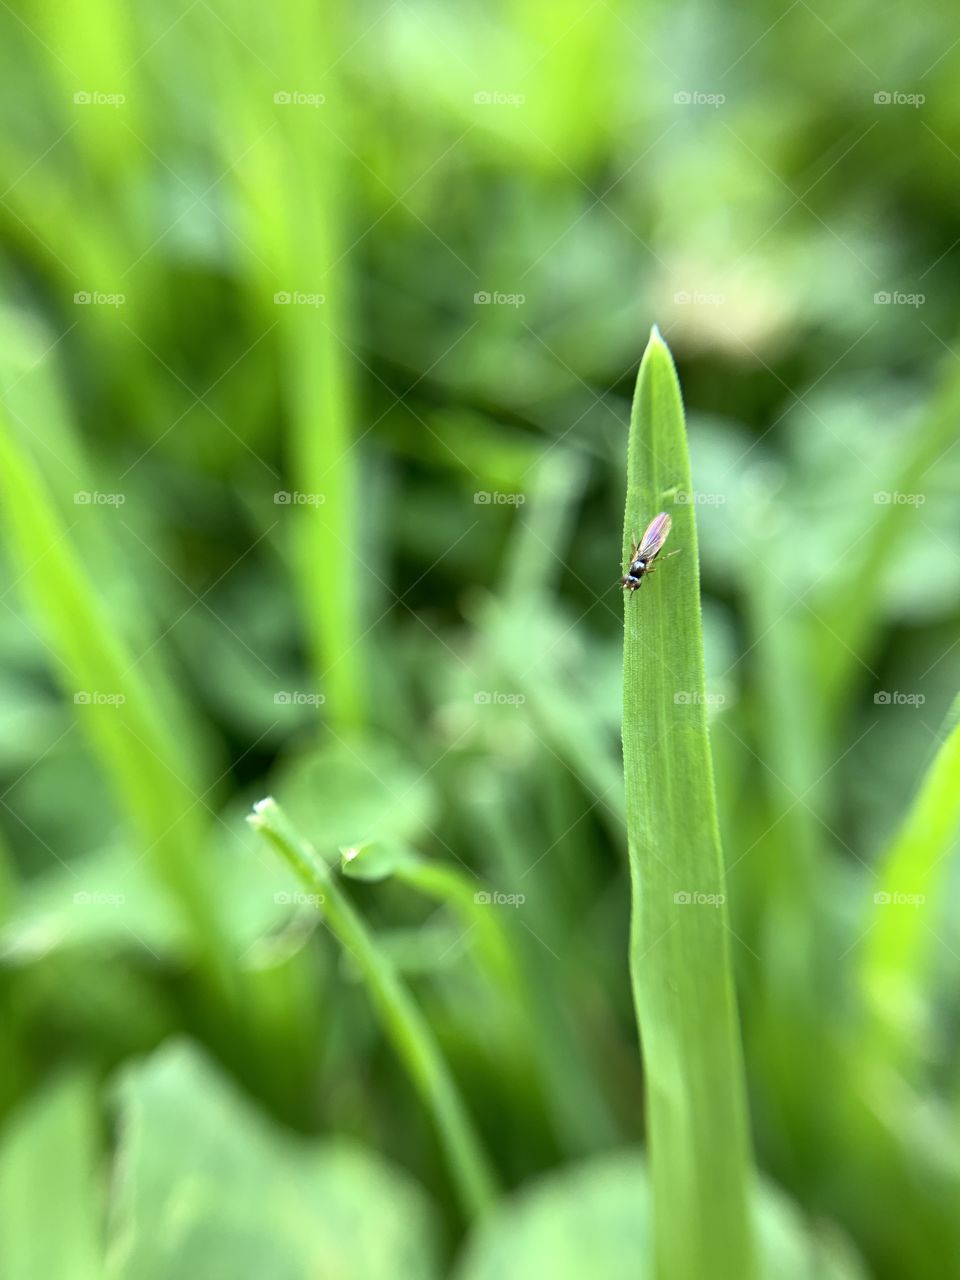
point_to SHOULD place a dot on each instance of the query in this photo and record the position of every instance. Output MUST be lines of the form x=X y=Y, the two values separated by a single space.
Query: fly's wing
x=654 y=536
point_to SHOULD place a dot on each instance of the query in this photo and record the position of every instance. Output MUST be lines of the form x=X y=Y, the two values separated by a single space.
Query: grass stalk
x=401 y=1017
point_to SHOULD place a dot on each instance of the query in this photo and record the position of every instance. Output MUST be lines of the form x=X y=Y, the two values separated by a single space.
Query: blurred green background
x=319 y=329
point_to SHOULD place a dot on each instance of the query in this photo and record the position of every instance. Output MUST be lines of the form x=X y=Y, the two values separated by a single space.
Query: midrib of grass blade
x=129 y=736
x=680 y=964
x=402 y=1019
x=912 y=878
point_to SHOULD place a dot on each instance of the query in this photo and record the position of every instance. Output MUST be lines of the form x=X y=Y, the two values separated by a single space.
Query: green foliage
x=318 y=331
x=205 y=1186
x=595 y=1219
x=49 y=1156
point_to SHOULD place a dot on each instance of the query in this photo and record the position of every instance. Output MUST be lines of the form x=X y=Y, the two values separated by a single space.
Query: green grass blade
x=402 y=1019
x=49 y=1155
x=850 y=615
x=128 y=732
x=899 y=934
x=453 y=888
x=679 y=946
x=320 y=365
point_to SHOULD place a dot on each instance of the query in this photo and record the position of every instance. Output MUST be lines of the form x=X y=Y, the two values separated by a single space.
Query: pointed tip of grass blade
x=658 y=369
x=658 y=346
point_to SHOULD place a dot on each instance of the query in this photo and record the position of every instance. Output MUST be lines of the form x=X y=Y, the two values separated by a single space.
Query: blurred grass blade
x=680 y=940
x=301 y=222
x=544 y=525
x=402 y=1019
x=533 y=1023
x=116 y=706
x=49 y=1162
x=505 y=824
x=912 y=877
x=849 y=617
x=453 y=888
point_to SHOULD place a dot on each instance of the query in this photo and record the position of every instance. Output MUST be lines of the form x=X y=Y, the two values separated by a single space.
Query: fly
x=646 y=551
